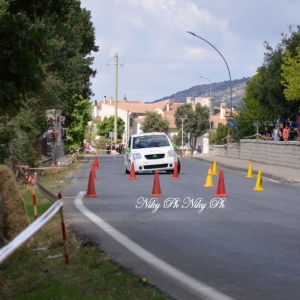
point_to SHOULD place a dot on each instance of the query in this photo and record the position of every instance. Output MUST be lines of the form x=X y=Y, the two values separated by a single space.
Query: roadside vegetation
x=274 y=90
x=38 y=271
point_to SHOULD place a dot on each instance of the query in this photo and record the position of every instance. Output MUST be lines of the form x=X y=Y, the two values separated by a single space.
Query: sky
x=158 y=58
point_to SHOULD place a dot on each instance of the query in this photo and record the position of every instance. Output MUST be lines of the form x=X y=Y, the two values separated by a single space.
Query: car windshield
x=148 y=141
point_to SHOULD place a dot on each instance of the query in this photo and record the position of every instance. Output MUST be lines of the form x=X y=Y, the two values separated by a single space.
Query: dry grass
x=32 y=274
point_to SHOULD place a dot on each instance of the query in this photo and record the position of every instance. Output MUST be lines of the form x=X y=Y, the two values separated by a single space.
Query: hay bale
x=15 y=218
x=1 y=222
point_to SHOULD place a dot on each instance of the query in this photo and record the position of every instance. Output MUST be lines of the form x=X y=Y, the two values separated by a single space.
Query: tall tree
x=107 y=125
x=22 y=47
x=265 y=99
x=271 y=94
x=253 y=110
x=68 y=64
x=80 y=118
x=291 y=75
x=197 y=122
x=154 y=121
x=46 y=63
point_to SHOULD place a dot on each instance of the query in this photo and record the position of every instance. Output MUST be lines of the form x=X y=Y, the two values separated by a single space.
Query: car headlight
x=171 y=153
x=137 y=156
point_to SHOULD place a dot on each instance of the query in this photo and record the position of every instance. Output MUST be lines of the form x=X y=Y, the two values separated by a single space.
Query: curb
x=241 y=169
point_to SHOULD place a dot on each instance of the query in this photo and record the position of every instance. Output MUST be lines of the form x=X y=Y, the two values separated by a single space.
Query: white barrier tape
x=51 y=197
x=62 y=163
x=26 y=234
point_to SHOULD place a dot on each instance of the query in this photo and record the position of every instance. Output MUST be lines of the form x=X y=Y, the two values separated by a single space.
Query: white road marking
x=196 y=286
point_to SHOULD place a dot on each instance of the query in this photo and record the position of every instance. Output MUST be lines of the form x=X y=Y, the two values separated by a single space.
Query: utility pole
x=116 y=63
x=210 y=110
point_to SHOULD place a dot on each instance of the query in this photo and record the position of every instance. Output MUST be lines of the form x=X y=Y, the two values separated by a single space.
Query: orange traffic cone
x=156 y=191
x=175 y=172
x=221 y=192
x=96 y=162
x=132 y=172
x=91 y=193
x=94 y=171
x=209 y=180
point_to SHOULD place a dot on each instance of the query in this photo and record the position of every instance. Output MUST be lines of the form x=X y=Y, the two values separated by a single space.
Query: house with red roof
x=133 y=112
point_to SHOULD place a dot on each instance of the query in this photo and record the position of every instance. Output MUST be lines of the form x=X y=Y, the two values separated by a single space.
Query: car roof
x=148 y=134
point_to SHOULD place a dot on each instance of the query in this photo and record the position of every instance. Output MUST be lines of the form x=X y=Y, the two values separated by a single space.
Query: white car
x=149 y=152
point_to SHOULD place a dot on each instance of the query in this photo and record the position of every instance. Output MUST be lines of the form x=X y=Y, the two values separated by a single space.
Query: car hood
x=152 y=150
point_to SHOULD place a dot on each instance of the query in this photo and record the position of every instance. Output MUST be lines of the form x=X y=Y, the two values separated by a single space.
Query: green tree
x=197 y=122
x=252 y=110
x=271 y=92
x=154 y=121
x=46 y=63
x=22 y=48
x=107 y=125
x=291 y=75
x=265 y=97
x=216 y=137
x=80 y=117
x=68 y=64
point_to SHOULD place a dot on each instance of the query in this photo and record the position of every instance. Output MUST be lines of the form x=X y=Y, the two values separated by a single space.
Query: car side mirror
x=127 y=149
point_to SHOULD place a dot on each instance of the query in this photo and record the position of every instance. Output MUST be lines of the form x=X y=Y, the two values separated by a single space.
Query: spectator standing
x=199 y=149
x=107 y=147
x=281 y=119
x=298 y=118
x=63 y=128
x=280 y=131
x=286 y=132
x=292 y=133
x=118 y=147
x=276 y=133
x=87 y=148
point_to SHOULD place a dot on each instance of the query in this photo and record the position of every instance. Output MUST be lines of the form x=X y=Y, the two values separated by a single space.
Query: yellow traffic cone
x=249 y=174
x=258 y=185
x=180 y=164
x=209 y=180
x=214 y=169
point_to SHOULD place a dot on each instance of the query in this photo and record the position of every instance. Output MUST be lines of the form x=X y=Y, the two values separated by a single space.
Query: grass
x=32 y=274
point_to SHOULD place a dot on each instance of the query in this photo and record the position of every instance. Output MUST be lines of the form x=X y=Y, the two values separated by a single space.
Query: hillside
x=219 y=90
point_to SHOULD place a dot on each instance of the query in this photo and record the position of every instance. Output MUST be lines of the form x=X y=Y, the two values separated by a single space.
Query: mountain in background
x=220 y=91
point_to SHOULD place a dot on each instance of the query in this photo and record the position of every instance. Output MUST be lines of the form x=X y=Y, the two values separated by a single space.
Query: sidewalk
x=279 y=173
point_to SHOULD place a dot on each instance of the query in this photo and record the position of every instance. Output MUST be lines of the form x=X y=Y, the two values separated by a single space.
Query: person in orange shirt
x=285 y=133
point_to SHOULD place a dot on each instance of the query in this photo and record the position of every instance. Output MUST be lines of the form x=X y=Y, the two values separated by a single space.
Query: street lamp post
x=192 y=33
x=183 y=118
x=210 y=100
x=116 y=63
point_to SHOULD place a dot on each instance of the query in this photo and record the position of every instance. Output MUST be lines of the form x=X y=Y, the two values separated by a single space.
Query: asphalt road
x=186 y=242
